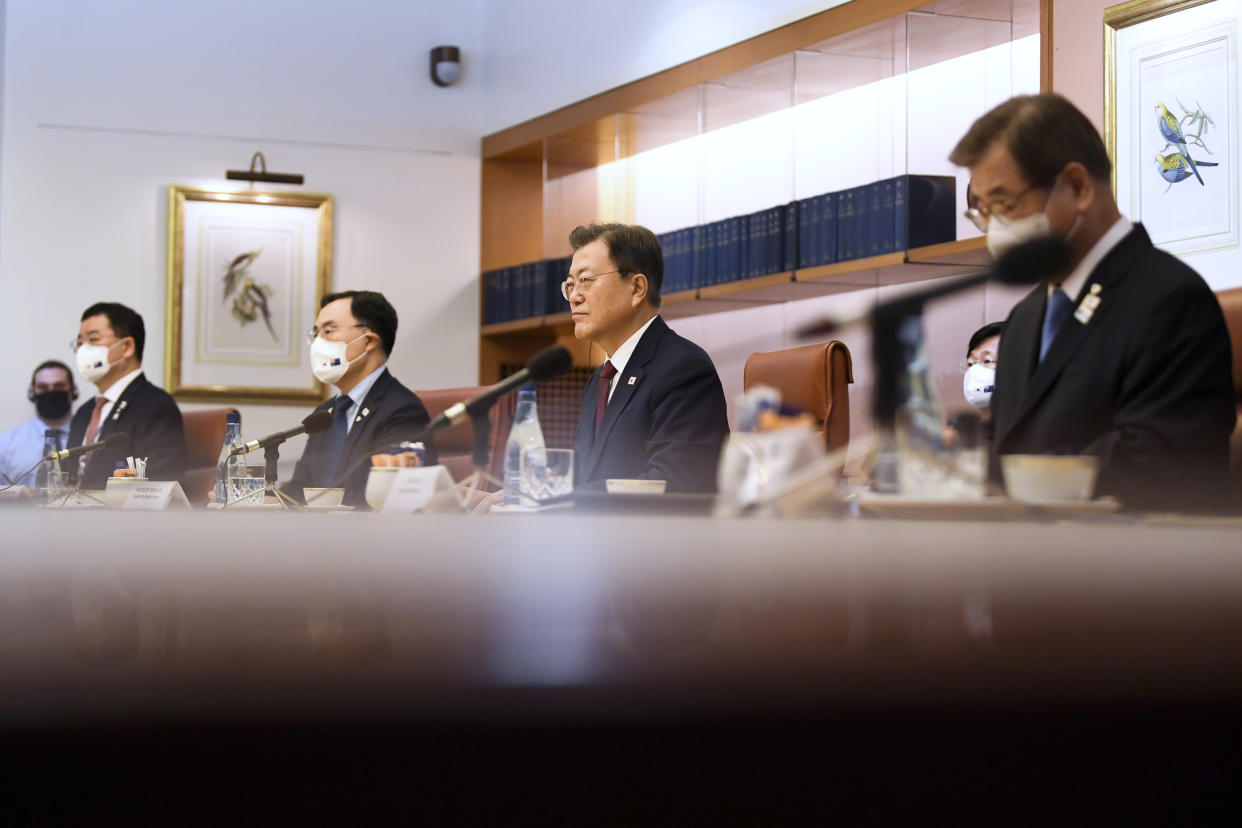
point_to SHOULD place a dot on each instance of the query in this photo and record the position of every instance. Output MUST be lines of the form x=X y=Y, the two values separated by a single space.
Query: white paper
x=414 y=489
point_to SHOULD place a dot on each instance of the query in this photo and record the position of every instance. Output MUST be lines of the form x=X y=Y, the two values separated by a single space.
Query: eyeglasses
x=582 y=284
x=327 y=331
x=985 y=359
x=76 y=343
x=981 y=215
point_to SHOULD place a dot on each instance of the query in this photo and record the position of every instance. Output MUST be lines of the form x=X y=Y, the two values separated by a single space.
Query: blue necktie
x=334 y=443
x=1054 y=317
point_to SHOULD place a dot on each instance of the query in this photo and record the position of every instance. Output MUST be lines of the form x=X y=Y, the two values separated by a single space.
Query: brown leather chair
x=1231 y=305
x=204 y=437
x=813 y=378
x=455 y=446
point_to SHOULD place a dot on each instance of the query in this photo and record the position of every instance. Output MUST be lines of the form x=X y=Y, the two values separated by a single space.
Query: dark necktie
x=1054 y=317
x=59 y=435
x=605 y=385
x=334 y=443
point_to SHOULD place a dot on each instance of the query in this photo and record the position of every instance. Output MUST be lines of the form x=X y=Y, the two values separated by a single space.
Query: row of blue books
x=882 y=217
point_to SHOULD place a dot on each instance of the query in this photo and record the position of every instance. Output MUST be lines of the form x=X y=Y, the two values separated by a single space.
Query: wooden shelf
x=917 y=265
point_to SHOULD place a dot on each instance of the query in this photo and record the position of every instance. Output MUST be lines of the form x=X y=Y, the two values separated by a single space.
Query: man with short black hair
x=350 y=344
x=52 y=390
x=109 y=350
x=1125 y=356
x=655 y=409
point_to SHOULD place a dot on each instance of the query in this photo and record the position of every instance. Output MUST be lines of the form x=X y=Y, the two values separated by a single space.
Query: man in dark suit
x=110 y=343
x=655 y=409
x=1125 y=356
x=351 y=341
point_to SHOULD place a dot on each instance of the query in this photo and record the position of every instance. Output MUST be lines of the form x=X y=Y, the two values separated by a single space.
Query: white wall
x=541 y=55
x=106 y=104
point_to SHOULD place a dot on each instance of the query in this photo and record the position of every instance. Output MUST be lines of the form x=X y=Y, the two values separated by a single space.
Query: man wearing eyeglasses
x=350 y=344
x=1125 y=356
x=109 y=348
x=655 y=409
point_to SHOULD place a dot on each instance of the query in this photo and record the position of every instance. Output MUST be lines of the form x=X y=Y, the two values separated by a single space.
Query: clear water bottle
x=43 y=477
x=525 y=434
x=226 y=463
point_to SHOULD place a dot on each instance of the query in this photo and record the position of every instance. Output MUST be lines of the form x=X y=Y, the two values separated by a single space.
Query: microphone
x=1023 y=264
x=314 y=423
x=548 y=363
x=115 y=440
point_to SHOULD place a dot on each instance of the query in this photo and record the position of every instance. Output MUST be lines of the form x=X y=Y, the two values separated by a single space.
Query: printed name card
x=428 y=488
x=155 y=496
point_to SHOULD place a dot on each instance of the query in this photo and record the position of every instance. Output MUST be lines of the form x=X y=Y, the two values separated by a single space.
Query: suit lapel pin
x=631 y=380
x=1086 y=308
x=116 y=415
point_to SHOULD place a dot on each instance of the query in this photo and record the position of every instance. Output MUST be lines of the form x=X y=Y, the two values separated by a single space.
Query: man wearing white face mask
x=349 y=345
x=979 y=367
x=109 y=350
x=1126 y=356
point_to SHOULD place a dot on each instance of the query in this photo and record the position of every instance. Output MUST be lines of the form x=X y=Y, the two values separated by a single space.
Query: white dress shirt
x=1078 y=276
x=22 y=447
x=623 y=354
x=115 y=390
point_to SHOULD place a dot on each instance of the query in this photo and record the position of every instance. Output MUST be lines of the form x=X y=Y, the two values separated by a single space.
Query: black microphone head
x=549 y=363
x=1033 y=261
x=318 y=421
x=117 y=439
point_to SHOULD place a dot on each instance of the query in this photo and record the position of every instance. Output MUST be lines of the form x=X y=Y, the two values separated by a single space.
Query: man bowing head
x=655 y=409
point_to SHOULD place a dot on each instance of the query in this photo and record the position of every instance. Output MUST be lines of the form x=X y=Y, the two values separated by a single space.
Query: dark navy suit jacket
x=666 y=419
x=1145 y=382
x=153 y=422
x=389 y=414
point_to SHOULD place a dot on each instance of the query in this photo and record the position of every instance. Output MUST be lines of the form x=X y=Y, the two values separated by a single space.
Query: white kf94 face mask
x=93 y=361
x=328 y=362
x=978 y=384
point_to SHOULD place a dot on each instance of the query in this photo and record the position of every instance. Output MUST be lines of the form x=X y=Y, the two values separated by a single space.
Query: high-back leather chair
x=204 y=437
x=455 y=446
x=813 y=378
x=1231 y=305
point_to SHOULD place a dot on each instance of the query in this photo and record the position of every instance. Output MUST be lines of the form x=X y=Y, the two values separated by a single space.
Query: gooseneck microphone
x=1023 y=264
x=112 y=441
x=548 y=363
x=315 y=422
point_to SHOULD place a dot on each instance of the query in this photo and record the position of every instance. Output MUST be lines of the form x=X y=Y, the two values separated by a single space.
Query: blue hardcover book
x=827 y=252
x=789 y=238
x=901 y=219
x=698 y=258
x=815 y=230
x=886 y=217
x=776 y=239
x=876 y=218
x=845 y=226
x=521 y=293
x=930 y=211
x=667 y=247
x=735 y=248
x=806 y=209
x=504 y=304
x=489 y=297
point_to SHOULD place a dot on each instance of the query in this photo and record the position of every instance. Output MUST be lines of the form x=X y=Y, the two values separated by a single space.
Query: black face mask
x=52 y=405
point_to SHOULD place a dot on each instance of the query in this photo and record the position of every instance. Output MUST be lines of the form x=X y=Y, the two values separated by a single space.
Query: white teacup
x=323 y=498
x=1044 y=477
x=379 y=482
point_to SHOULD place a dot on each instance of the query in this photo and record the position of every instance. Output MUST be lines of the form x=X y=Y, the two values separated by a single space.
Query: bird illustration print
x=1176 y=167
x=249 y=297
x=1171 y=130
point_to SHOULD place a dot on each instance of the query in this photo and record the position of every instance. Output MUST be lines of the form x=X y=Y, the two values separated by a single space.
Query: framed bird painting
x=1171 y=124
x=245 y=273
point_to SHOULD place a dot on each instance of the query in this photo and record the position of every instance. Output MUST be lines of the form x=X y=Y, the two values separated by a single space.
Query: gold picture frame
x=1171 y=116
x=245 y=273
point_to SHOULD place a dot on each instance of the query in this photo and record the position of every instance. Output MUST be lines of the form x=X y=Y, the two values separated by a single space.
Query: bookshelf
x=664 y=150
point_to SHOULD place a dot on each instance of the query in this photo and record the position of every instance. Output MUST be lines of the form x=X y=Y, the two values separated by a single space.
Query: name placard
x=155 y=496
x=428 y=488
